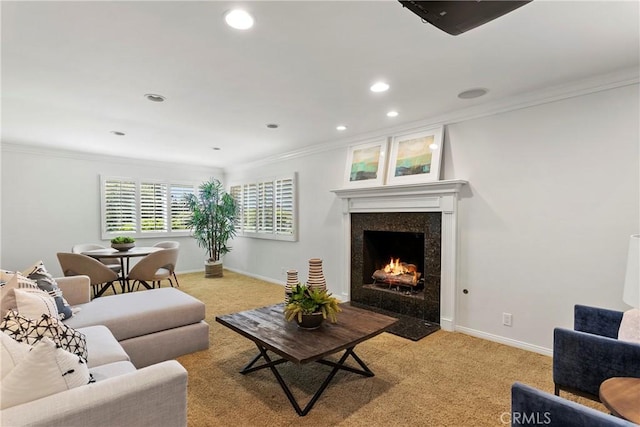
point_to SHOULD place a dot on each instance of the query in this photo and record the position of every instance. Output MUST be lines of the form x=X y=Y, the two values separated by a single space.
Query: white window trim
x=273 y=235
x=139 y=234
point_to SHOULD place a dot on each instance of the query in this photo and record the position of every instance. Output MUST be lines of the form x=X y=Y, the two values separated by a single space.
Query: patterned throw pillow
x=44 y=371
x=30 y=331
x=46 y=282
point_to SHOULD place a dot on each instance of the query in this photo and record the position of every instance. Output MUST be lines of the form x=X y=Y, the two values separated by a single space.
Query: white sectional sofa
x=152 y=325
x=130 y=341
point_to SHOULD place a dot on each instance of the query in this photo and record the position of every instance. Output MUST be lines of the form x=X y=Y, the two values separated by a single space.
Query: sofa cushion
x=111 y=370
x=45 y=370
x=33 y=303
x=140 y=313
x=46 y=282
x=31 y=331
x=102 y=345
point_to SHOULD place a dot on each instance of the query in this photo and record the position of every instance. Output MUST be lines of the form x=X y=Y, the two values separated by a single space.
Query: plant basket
x=123 y=247
x=310 y=321
x=212 y=269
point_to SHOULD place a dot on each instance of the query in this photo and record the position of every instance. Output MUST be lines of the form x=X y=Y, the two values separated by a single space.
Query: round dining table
x=124 y=256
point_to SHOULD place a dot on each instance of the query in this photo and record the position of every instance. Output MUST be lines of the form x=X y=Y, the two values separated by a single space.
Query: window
x=179 y=211
x=153 y=207
x=266 y=208
x=119 y=197
x=144 y=208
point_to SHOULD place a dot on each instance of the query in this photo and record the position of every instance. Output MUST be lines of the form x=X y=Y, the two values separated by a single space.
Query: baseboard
x=198 y=270
x=506 y=341
x=446 y=324
x=256 y=276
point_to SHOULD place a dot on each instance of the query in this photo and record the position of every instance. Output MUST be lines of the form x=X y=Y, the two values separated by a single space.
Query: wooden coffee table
x=621 y=395
x=270 y=332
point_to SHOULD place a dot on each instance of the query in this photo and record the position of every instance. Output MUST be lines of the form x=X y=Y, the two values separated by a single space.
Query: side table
x=621 y=395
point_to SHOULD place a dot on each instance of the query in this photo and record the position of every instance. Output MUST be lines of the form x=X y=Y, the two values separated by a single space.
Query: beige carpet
x=445 y=379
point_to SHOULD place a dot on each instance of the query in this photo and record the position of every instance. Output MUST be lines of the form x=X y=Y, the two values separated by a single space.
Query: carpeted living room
x=445 y=379
x=463 y=177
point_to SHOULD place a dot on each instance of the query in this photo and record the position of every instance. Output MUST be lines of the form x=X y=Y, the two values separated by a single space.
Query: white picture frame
x=415 y=157
x=366 y=164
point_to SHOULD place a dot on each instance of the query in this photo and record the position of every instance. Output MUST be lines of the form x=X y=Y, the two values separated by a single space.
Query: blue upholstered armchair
x=591 y=353
x=532 y=407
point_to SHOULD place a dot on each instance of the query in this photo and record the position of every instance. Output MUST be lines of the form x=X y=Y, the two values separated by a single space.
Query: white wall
x=553 y=196
x=51 y=201
x=320 y=222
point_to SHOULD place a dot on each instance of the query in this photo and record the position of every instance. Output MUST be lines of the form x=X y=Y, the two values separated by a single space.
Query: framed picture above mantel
x=366 y=164
x=415 y=157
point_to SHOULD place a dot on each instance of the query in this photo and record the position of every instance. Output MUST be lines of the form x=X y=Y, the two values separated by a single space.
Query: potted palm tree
x=213 y=212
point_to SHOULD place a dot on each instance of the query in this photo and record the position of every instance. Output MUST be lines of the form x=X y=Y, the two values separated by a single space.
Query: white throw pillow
x=7 y=294
x=46 y=370
x=33 y=303
x=11 y=354
x=630 y=326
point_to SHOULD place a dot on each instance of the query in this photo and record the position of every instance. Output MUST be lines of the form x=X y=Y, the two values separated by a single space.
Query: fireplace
x=408 y=245
x=383 y=222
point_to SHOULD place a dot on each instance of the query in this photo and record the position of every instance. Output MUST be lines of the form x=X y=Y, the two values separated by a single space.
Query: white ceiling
x=74 y=71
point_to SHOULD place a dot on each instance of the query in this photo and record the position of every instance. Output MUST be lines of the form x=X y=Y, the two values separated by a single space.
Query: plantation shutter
x=236 y=192
x=153 y=207
x=179 y=211
x=120 y=205
x=249 y=208
x=285 y=207
x=265 y=207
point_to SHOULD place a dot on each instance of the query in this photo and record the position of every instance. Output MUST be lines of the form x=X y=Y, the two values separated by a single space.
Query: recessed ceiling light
x=216 y=148
x=117 y=132
x=472 y=93
x=392 y=114
x=239 y=19
x=341 y=127
x=154 y=97
x=273 y=125
x=379 y=87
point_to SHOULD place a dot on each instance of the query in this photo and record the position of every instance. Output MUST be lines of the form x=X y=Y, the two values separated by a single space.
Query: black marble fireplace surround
x=421 y=303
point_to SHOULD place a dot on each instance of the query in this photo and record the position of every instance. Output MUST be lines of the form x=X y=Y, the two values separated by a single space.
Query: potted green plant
x=213 y=213
x=309 y=307
x=123 y=243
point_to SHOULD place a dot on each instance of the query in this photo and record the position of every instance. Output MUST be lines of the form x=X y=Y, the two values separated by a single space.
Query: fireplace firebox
x=395 y=260
x=402 y=251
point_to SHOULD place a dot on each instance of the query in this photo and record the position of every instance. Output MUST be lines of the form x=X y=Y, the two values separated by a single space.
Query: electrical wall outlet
x=507 y=319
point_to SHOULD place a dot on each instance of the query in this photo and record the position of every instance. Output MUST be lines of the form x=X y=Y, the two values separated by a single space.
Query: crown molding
x=603 y=82
x=37 y=150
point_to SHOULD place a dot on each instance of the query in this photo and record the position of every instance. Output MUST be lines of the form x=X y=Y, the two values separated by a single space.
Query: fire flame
x=396 y=267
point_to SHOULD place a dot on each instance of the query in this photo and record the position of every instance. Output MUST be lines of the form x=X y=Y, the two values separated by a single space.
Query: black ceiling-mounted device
x=456 y=17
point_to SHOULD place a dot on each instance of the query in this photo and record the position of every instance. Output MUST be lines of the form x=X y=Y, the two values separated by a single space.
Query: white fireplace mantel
x=439 y=196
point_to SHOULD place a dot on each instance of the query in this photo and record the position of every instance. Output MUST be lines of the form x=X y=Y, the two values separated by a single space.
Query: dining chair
x=112 y=263
x=170 y=244
x=153 y=268
x=101 y=276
